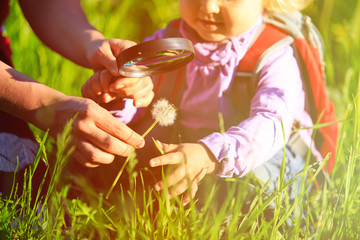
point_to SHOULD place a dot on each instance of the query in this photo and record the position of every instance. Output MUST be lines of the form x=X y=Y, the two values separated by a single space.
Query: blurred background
x=338 y=22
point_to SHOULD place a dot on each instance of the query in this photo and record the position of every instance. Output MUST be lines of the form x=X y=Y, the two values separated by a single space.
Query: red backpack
x=296 y=30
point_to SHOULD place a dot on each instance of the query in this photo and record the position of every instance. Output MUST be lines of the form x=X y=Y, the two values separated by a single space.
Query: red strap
x=268 y=37
x=325 y=108
x=177 y=85
x=157 y=88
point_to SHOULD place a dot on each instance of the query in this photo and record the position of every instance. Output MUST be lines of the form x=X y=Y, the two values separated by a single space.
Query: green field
x=332 y=209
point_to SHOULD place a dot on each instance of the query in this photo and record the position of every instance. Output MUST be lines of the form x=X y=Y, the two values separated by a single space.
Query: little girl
x=222 y=31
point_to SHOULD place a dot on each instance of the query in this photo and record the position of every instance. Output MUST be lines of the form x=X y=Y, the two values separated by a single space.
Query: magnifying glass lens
x=154 y=57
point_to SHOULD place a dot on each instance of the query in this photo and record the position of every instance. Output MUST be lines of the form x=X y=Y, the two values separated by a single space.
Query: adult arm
x=63 y=26
x=97 y=135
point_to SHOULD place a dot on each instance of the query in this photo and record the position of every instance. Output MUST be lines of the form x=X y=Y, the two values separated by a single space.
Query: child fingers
x=106 y=78
x=179 y=188
x=173 y=178
x=183 y=185
x=139 y=93
x=190 y=194
x=194 y=187
x=94 y=81
x=92 y=88
x=167 y=159
x=107 y=97
x=97 y=87
x=144 y=97
x=87 y=89
x=122 y=82
x=131 y=86
x=179 y=185
x=130 y=82
x=199 y=176
x=145 y=100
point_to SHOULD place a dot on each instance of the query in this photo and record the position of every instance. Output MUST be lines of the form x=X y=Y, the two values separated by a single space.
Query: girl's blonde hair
x=285 y=5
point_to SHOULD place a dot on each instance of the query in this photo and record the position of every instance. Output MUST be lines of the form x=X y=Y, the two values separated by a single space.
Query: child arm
x=243 y=147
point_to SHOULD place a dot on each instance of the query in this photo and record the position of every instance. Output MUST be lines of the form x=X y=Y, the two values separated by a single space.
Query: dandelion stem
x=150 y=128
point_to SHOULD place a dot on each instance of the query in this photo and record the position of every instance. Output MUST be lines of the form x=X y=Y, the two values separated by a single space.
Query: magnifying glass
x=155 y=57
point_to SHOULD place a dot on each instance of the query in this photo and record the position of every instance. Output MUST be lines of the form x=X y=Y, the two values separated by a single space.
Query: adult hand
x=192 y=162
x=97 y=135
x=103 y=87
x=102 y=53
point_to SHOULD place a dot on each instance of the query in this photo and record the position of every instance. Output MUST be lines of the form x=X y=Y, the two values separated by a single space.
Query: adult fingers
x=106 y=141
x=91 y=155
x=102 y=54
x=119 y=45
x=80 y=158
x=104 y=58
x=111 y=134
x=116 y=46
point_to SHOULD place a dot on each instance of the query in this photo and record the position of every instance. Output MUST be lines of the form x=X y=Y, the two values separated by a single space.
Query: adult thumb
x=114 y=48
x=108 y=61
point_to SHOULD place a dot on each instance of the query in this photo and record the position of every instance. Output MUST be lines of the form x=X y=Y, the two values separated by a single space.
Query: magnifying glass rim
x=150 y=48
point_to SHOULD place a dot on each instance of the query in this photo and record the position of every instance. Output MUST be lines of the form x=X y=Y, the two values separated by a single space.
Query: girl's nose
x=210 y=6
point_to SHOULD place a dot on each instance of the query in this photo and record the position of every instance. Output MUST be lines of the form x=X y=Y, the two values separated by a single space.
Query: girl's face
x=216 y=20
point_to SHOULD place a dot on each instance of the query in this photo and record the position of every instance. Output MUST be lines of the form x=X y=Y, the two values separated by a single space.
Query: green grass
x=332 y=209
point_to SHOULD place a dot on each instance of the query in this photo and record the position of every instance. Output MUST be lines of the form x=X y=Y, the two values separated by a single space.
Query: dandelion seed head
x=164 y=112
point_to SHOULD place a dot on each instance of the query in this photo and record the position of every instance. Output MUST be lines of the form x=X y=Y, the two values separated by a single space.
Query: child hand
x=103 y=87
x=192 y=162
x=139 y=89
